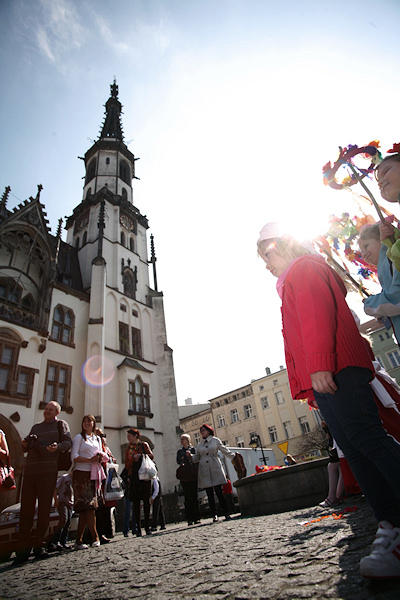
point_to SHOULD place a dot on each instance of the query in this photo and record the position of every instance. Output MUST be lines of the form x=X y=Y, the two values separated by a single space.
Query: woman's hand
x=136 y=457
x=386 y=231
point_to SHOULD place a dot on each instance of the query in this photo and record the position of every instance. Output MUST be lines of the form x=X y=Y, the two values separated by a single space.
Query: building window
x=196 y=439
x=234 y=416
x=221 y=420
x=124 y=171
x=124 y=338
x=122 y=238
x=84 y=238
x=10 y=290
x=305 y=427
x=388 y=336
x=264 y=402
x=394 y=358
x=279 y=398
x=239 y=441
x=225 y=442
x=131 y=244
x=273 y=435
x=122 y=307
x=136 y=343
x=135 y=313
x=139 y=397
x=91 y=170
x=248 y=411
x=287 y=426
x=16 y=381
x=261 y=388
x=77 y=243
x=275 y=382
x=380 y=361
x=107 y=160
x=63 y=325
x=58 y=384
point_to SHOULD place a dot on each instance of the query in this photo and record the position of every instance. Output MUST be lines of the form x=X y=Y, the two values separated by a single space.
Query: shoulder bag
x=7 y=477
x=64 y=458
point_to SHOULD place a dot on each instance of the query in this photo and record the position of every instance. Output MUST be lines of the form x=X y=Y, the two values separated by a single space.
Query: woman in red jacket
x=329 y=364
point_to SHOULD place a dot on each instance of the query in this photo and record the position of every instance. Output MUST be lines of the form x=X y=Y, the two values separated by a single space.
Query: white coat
x=210 y=467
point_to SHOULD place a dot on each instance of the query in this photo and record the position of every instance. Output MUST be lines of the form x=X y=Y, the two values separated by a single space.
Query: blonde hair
x=186 y=436
x=286 y=247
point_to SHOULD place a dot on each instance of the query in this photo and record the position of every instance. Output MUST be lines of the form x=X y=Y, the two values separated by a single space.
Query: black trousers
x=221 y=498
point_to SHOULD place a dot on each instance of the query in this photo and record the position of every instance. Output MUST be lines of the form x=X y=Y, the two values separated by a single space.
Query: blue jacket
x=387 y=303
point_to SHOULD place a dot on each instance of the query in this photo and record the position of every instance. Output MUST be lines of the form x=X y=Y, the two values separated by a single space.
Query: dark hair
x=370 y=232
x=91 y=417
x=210 y=429
x=134 y=432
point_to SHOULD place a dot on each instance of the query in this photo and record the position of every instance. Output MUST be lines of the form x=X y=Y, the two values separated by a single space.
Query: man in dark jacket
x=44 y=444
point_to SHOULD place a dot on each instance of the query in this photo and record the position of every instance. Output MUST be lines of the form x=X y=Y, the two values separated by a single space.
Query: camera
x=31 y=441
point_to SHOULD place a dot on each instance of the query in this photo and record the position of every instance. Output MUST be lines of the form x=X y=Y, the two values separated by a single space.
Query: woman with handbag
x=187 y=474
x=211 y=473
x=139 y=489
x=103 y=512
x=87 y=455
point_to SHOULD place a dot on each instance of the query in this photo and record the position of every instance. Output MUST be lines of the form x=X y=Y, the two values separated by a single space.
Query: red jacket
x=319 y=331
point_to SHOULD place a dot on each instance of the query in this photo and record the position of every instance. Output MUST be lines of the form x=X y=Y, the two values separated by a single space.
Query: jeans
x=373 y=455
x=127 y=516
x=61 y=534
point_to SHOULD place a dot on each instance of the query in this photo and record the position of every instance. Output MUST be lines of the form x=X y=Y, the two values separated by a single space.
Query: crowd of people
x=82 y=488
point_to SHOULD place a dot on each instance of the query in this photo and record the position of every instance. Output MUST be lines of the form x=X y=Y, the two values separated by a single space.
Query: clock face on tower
x=127 y=223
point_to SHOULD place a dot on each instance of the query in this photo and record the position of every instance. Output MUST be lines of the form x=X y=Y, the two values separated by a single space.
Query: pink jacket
x=320 y=333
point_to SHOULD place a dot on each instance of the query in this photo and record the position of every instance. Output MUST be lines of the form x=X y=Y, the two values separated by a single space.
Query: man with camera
x=44 y=444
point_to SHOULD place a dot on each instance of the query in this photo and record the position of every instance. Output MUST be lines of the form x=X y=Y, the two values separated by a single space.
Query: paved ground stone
x=275 y=557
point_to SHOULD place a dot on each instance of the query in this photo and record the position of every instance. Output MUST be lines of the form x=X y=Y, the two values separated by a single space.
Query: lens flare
x=98 y=371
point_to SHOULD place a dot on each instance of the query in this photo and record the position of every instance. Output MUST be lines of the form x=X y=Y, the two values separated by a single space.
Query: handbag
x=64 y=458
x=187 y=471
x=113 y=485
x=147 y=469
x=239 y=465
x=7 y=477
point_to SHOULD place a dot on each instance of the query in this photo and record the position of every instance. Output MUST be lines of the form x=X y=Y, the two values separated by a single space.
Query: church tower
x=126 y=339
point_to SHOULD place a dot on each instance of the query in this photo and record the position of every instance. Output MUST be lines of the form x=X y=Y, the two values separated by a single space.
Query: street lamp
x=255 y=442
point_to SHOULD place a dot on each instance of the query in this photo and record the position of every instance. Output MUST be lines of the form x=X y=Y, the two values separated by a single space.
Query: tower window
x=91 y=171
x=131 y=244
x=124 y=171
x=122 y=238
x=107 y=160
x=84 y=239
x=77 y=241
x=124 y=194
x=136 y=343
x=139 y=396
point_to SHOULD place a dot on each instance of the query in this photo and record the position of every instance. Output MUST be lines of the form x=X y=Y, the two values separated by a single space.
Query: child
x=387 y=175
x=228 y=495
x=329 y=364
x=64 y=500
x=156 y=501
x=387 y=302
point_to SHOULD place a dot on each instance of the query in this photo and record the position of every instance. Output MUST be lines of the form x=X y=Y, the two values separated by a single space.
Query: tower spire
x=112 y=126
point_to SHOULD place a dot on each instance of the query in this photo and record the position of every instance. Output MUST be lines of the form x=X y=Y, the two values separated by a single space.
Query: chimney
x=268 y=370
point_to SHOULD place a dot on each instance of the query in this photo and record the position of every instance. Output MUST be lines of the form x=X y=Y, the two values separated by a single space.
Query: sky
x=233 y=107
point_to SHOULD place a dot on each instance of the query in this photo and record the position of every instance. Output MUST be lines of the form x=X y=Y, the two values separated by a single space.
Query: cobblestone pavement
x=275 y=557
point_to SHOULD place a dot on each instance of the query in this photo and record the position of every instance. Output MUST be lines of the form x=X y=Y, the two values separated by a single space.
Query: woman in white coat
x=211 y=474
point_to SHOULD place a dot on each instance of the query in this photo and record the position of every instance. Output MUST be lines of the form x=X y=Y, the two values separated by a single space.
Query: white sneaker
x=96 y=544
x=384 y=560
x=80 y=546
